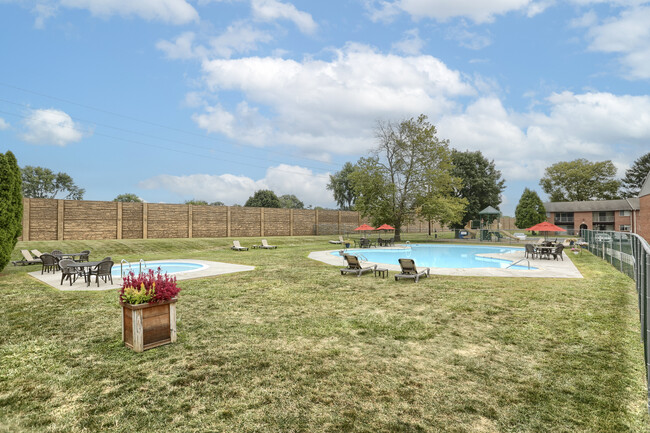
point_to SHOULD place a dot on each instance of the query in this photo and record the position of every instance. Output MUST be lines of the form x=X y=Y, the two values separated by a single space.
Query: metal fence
x=629 y=253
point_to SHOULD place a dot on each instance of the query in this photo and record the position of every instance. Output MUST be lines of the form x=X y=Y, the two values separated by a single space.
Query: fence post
x=26 y=212
x=118 y=235
x=59 y=220
x=190 y=216
x=261 y=221
x=316 y=218
x=290 y=222
x=228 y=221
x=145 y=222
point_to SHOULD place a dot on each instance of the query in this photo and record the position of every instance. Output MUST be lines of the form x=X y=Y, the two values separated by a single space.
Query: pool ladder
x=518 y=261
x=141 y=264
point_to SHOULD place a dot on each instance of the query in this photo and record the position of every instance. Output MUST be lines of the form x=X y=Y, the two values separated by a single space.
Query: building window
x=625 y=228
x=564 y=217
x=624 y=213
x=603 y=217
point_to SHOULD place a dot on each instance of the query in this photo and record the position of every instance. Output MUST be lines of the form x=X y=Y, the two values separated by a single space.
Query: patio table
x=82 y=266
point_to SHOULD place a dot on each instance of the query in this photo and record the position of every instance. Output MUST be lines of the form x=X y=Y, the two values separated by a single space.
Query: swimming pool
x=441 y=256
x=170 y=268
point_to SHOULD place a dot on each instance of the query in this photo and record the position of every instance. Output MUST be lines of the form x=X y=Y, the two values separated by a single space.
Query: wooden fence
x=50 y=219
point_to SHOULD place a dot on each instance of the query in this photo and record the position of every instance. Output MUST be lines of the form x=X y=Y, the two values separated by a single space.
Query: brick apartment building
x=630 y=215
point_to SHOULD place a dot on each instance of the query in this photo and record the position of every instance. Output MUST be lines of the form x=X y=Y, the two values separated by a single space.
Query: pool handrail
x=122 y=267
x=142 y=262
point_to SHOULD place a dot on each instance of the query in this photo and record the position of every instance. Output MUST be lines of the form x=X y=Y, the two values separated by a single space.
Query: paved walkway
x=211 y=269
x=543 y=268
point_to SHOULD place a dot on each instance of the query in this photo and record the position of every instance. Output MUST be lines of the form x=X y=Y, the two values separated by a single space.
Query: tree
x=340 y=184
x=263 y=198
x=635 y=176
x=128 y=198
x=530 y=210
x=409 y=173
x=11 y=206
x=580 y=180
x=290 y=201
x=217 y=203
x=197 y=202
x=482 y=183
x=40 y=182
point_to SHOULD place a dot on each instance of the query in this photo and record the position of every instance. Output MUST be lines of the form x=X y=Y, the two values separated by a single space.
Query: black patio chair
x=84 y=256
x=68 y=272
x=102 y=270
x=50 y=263
x=558 y=252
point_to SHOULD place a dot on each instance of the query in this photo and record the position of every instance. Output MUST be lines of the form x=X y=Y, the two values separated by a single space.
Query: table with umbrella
x=385 y=228
x=364 y=242
x=545 y=227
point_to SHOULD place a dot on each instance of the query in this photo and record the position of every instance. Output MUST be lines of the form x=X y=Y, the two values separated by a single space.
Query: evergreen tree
x=530 y=210
x=11 y=206
x=635 y=176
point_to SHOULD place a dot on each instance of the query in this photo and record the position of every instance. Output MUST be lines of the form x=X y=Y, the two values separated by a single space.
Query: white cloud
x=232 y=189
x=468 y=39
x=50 y=126
x=321 y=105
x=271 y=10
x=442 y=10
x=3 y=124
x=411 y=44
x=589 y=125
x=627 y=35
x=169 y=11
x=181 y=48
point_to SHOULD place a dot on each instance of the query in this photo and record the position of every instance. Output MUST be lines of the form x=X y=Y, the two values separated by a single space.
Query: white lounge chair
x=237 y=247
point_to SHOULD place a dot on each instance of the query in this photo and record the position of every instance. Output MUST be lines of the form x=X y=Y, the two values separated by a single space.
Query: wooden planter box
x=145 y=326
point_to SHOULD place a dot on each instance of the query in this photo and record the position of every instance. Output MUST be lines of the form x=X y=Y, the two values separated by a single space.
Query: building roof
x=594 y=206
x=645 y=189
x=489 y=211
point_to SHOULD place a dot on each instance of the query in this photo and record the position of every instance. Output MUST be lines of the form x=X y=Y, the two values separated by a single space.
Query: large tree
x=482 y=183
x=341 y=185
x=41 y=182
x=263 y=198
x=11 y=206
x=408 y=174
x=290 y=201
x=128 y=198
x=635 y=176
x=580 y=180
x=530 y=210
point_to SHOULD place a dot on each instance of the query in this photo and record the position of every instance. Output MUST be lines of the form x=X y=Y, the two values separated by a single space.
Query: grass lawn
x=295 y=347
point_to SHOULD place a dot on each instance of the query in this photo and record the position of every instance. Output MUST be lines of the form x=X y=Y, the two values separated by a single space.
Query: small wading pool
x=441 y=256
x=169 y=267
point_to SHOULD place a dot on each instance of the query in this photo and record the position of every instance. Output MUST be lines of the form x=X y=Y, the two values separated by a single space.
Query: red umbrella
x=385 y=227
x=363 y=227
x=545 y=227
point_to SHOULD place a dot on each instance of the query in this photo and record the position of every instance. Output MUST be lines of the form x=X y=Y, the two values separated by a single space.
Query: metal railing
x=630 y=254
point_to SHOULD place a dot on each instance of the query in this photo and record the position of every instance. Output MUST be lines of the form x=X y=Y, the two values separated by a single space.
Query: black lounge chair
x=410 y=271
x=354 y=266
x=27 y=259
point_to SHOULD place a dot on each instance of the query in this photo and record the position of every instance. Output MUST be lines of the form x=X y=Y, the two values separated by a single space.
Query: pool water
x=166 y=267
x=440 y=256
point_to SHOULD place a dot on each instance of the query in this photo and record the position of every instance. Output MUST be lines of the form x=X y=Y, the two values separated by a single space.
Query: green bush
x=11 y=206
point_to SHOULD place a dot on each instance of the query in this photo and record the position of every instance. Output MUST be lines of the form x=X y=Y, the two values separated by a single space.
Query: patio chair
x=558 y=252
x=102 y=270
x=27 y=259
x=84 y=256
x=37 y=254
x=50 y=263
x=354 y=266
x=266 y=245
x=530 y=249
x=68 y=272
x=410 y=271
x=340 y=241
x=237 y=247
x=56 y=252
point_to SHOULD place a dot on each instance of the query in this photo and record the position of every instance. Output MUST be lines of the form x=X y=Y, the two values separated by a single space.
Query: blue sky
x=213 y=99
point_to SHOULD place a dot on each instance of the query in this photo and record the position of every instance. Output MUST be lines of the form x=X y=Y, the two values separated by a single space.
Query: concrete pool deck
x=544 y=268
x=211 y=269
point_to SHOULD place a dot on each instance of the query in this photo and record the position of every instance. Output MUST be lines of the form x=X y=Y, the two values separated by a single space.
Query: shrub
x=11 y=206
x=151 y=287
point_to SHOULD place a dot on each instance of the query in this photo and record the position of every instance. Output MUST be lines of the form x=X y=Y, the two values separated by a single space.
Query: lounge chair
x=354 y=266
x=410 y=271
x=530 y=249
x=50 y=263
x=558 y=252
x=340 y=241
x=266 y=245
x=27 y=259
x=37 y=254
x=237 y=247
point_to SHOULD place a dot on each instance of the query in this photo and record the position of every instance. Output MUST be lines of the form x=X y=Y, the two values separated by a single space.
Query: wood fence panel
x=132 y=220
x=303 y=222
x=209 y=221
x=245 y=221
x=277 y=222
x=89 y=220
x=167 y=221
x=43 y=219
